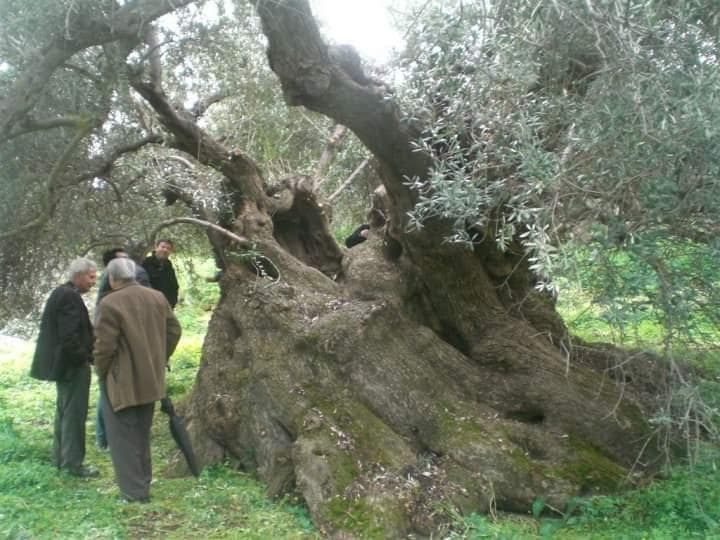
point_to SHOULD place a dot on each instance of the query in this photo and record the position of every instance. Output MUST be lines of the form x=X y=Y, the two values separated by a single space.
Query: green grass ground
x=36 y=501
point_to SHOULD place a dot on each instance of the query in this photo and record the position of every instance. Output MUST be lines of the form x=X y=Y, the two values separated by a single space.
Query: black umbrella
x=180 y=434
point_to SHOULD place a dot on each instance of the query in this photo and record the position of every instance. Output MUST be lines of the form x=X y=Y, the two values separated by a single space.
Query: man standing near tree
x=64 y=354
x=141 y=275
x=103 y=289
x=135 y=335
x=161 y=272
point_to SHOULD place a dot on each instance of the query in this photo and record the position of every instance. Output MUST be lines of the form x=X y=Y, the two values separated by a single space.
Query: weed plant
x=685 y=505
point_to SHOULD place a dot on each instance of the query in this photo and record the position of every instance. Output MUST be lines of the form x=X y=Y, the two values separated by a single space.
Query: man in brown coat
x=135 y=334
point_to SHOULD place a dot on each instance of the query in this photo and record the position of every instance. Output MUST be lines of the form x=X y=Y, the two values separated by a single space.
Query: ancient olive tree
x=410 y=372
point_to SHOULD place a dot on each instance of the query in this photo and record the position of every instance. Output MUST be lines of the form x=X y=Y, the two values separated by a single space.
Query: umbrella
x=180 y=434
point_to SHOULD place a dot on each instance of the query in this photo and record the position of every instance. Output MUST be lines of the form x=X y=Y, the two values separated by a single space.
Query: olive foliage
x=579 y=125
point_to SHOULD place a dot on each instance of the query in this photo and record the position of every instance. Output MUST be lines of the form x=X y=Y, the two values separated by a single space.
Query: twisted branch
x=244 y=242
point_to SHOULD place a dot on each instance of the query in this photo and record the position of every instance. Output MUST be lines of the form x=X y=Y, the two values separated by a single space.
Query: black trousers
x=71 y=409
x=128 y=435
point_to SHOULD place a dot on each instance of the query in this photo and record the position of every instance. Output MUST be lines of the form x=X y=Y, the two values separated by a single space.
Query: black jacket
x=356 y=238
x=162 y=277
x=66 y=335
x=104 y=289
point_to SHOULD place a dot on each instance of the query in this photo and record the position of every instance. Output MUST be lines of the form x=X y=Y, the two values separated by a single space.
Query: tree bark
x=381 y=383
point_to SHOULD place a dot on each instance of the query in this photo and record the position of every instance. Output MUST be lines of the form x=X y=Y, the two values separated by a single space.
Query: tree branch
x=168 y=223
x=182 y=160
x=127 y=23
x=349 y=180
x=97 y=79
x=50 y=197
x=240 y=171
x=331 y=85
x=202 y=105
x=30 y=126
x=153 y=43
x=329 y=152
x=101 y=167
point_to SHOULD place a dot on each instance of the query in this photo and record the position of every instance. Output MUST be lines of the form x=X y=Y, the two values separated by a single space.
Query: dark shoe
x=128 y=499
x=84 y=472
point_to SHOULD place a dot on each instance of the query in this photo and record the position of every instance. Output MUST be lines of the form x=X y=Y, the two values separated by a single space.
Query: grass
x=36 y=501
x=639 y=330
x=660 y=296
x=685 y=505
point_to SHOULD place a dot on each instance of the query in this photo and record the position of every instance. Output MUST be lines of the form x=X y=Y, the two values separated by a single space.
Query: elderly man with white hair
x=135 y=334
x=63 y=354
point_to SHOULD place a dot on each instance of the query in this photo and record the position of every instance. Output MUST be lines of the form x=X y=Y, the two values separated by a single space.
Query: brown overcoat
x=135 y=334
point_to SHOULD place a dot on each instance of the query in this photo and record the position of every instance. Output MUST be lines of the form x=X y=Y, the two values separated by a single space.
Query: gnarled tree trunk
x=380 y=382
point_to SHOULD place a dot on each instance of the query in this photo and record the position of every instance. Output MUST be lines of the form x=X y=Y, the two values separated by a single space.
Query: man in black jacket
x=161 y=272
x=63 y=354
x=141 y=275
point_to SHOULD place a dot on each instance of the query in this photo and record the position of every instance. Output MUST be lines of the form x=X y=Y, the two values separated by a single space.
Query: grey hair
x=121 y=269
x=80 y=266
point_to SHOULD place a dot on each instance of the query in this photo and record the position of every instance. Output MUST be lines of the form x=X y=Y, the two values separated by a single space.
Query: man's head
x=113 y=253
x=163 y=249
x=120 y=271
x=136 y=250
x=82 y=273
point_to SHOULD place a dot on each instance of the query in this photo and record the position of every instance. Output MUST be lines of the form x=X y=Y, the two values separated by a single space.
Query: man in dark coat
x=141 y=276
x=103 y=289
x=63 y=355
x=161 y=272
x=135 y=335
